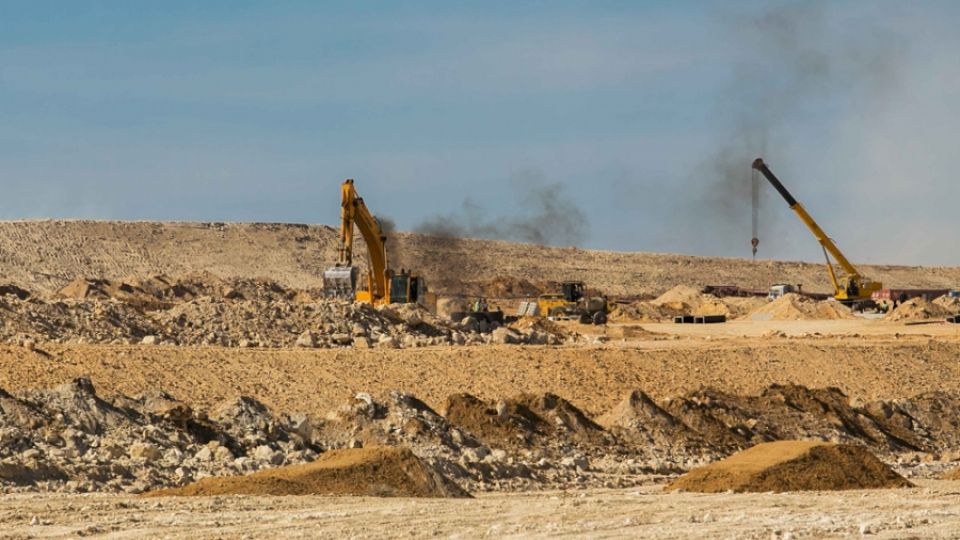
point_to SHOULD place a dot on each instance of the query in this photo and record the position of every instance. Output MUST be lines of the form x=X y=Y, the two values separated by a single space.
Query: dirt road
x=929 y=511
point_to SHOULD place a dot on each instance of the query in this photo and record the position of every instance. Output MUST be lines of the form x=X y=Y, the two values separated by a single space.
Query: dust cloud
x=546 y=215
x=791 y=60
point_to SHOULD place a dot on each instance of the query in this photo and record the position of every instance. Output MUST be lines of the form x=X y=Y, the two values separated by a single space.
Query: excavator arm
x=341 y=279
x=853 y=286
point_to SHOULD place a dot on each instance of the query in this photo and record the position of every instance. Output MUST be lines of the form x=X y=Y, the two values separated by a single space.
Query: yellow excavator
x=852 y=288
x=383 y=285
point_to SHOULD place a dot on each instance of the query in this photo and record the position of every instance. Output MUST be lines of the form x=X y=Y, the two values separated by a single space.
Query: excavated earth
x=204 y=359
x=70 y=438
x=783 y=466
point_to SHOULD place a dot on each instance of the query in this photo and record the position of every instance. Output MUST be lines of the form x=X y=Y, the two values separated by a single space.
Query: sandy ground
x=931 y=510
x=866 y=359
x=594 y=378
x=839 y=328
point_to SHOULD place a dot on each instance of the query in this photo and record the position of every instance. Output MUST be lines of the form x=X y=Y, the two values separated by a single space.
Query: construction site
x=618 y=270
x=148 y=362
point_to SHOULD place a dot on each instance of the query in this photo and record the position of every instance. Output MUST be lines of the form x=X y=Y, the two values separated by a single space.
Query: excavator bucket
x=341 y=282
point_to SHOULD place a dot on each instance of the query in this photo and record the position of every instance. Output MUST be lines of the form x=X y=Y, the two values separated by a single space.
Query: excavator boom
x=383 y=286
x=853 y=286
x=341 y=280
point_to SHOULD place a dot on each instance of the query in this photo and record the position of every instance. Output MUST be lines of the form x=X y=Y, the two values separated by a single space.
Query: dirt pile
x=633 y=331
x=643 y=312
x=543 y=440
x=200 y=309
x=377 y=472
x=128 y=293
x=795 y=307
x=400 y=419
x=918 y=309
x=684 y=300
x=540 y=324
x=70 y=439
x=640 y=418
x=793 y=466
x=712 y=421
x=537 y=440
x=680 y=294
x=948 y=302
x=523 y=421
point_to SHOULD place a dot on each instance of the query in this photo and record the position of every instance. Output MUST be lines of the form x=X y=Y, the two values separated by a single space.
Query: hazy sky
x=644 y=115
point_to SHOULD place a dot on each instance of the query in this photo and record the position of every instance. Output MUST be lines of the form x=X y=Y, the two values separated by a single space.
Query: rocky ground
x=206 y=310
x=70 y=439
x=121 y=379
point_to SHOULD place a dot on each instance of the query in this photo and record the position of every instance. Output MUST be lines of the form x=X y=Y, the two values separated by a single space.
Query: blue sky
x=255 y=111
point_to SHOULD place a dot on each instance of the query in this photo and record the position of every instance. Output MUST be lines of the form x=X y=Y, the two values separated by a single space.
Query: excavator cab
x=405 y=288
x=572 y=290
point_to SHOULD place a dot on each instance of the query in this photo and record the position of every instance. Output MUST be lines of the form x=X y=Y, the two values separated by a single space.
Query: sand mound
x=539 y=324
x=679 y=294
x=629 y=331
x=793 y=466
x=684 y=300
x=378 y=472
x=948 y=302
x=692 y=301
x=918 y=309
x=794 y=307
x=644 y=312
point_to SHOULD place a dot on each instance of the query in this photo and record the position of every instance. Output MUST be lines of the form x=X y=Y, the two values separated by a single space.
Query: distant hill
x=44 y=255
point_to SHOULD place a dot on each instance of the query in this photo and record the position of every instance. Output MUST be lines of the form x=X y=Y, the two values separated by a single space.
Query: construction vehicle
x=780 y=289
x=852 y=288
x=381 y=284
x=480 y=310
x=571 y=303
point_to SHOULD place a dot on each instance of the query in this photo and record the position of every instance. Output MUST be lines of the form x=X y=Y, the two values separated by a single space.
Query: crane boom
x=853 y=286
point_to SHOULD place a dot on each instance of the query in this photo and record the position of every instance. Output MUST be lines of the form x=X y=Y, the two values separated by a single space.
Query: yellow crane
x=383 y=285
x=852 y=287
